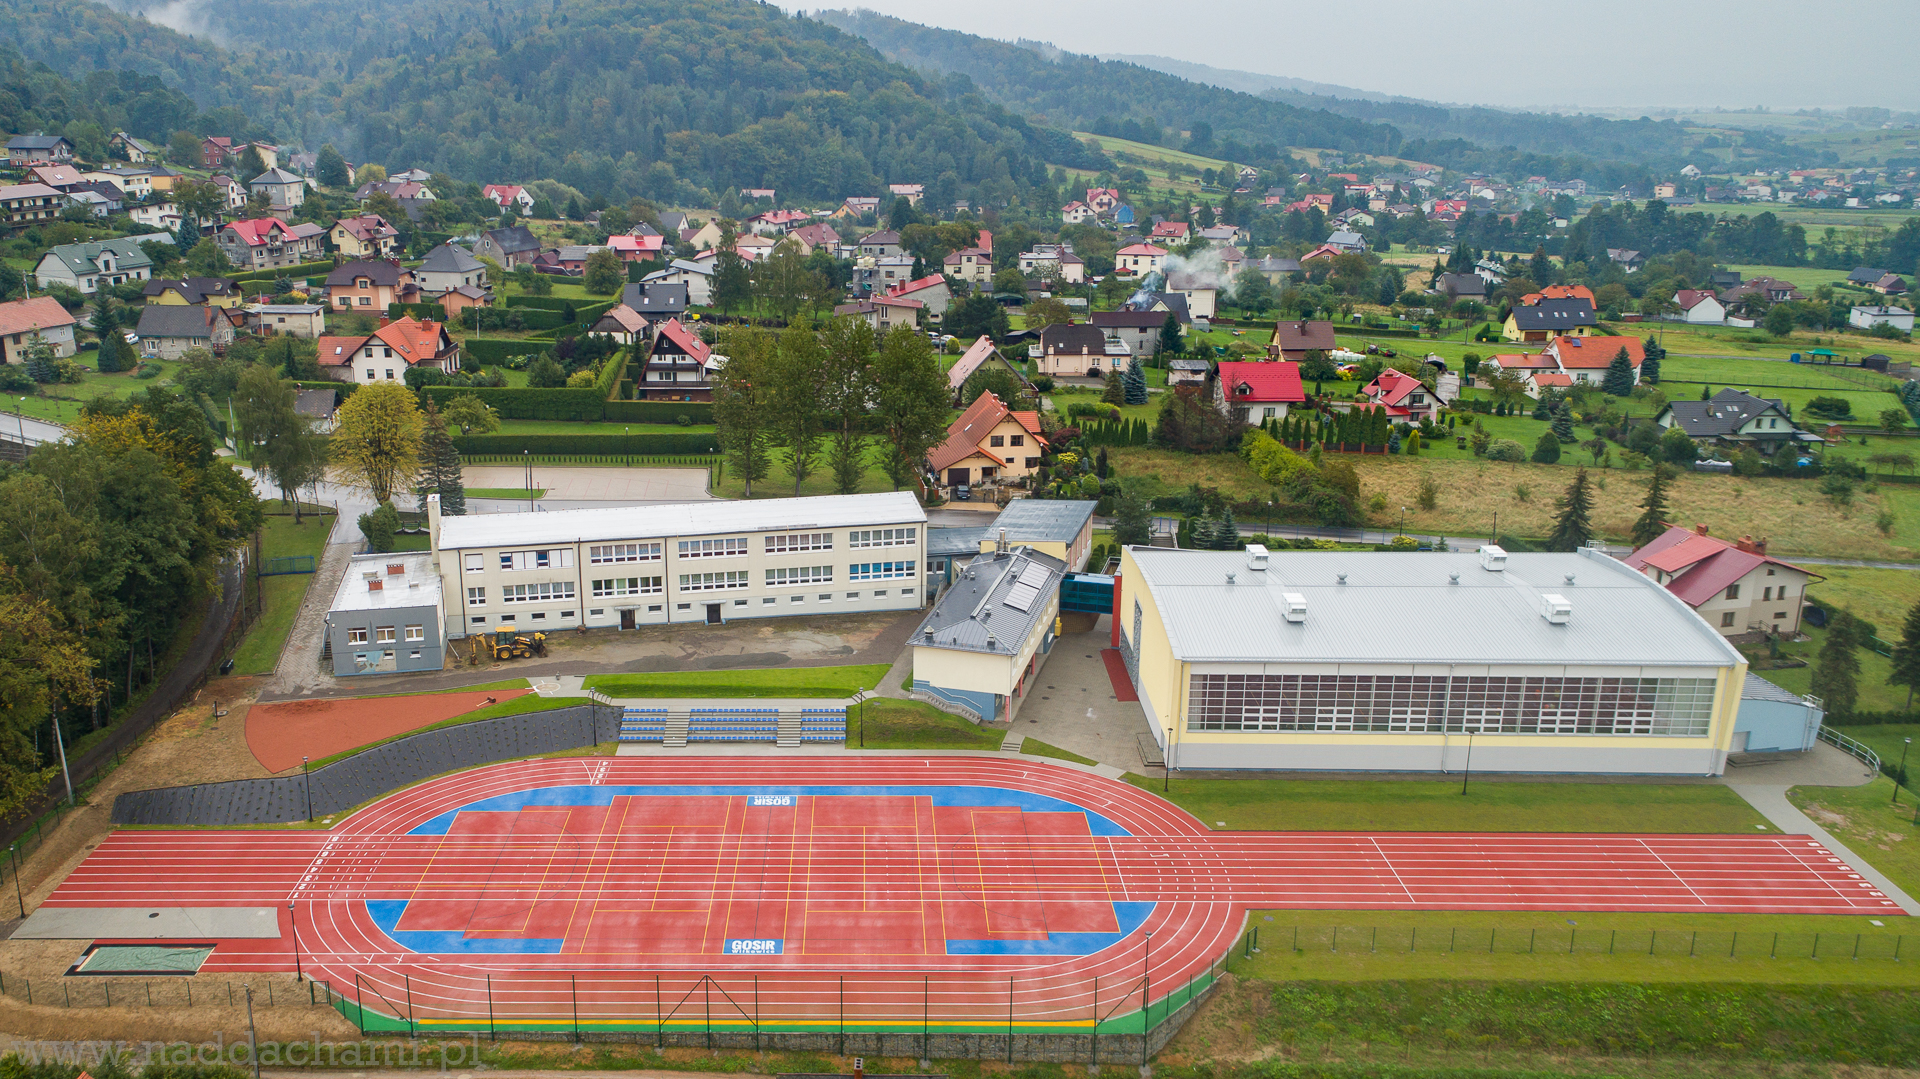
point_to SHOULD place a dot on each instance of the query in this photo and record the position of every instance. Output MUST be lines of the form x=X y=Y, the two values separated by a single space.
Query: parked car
x=963 y=493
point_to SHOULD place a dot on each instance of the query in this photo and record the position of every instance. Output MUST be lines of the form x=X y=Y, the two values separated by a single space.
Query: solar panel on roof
x=1022 y=597
x=1034 y=575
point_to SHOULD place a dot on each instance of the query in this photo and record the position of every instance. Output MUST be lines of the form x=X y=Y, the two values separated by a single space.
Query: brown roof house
x=989 y=441
x=1293 y=339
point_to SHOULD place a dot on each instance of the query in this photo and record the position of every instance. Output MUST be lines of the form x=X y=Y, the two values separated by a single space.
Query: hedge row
x=609 y=445
x=432 y=311
x=490 y=351
x=658 y=411
x=304 y=269
x=523 y=403
x=610 y=371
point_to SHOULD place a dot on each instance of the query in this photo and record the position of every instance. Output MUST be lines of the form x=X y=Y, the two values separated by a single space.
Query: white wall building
x=710 y=562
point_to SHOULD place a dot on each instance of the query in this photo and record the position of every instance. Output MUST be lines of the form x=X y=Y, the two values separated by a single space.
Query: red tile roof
x=1142 y=249
x=415 y=341
x=905 y=287
x=1552 y=378
x=1689 y=298
x=29 y=316
x=1558 y=292
x=1709 y=564
x=1277 y=381
x=688 y=341
x=965 y=434
x=1595 y=352
x=335 y=351
x=259 y=230
x=1392 y=388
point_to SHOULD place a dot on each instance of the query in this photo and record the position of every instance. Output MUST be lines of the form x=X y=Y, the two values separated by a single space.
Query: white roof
x=679 y=519
x=1403 y=609
x=417 y=585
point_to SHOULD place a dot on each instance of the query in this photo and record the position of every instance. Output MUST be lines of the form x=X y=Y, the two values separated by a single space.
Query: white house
x=1867 y=318
x=1700 y=307
x=1141 y=259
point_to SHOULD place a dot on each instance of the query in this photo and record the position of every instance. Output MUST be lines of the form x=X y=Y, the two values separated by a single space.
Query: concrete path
x=1771 y=801
x=1072 y=705
x=1822 y=766
x=298 y=673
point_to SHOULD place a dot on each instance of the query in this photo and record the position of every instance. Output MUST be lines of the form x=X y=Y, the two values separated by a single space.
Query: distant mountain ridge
x=1254 y=82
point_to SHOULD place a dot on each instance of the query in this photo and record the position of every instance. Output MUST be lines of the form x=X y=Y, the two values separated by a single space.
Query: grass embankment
x=281 y=594
x=1436 y=806
x=1791 y=513
x=1868 y=822
x=1038 y=748
x=759 y=682
x=531 y=702
x=518 y=494
x=891 y=724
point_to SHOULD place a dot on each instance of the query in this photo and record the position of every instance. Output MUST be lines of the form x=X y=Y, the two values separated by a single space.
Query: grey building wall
x=1775 y=726
x=375 y=656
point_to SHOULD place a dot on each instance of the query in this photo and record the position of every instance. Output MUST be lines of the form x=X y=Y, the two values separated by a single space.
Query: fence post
x=1093 y=1055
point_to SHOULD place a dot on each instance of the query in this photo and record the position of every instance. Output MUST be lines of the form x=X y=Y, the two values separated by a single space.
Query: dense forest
x=1076 y=91
x=674 y=101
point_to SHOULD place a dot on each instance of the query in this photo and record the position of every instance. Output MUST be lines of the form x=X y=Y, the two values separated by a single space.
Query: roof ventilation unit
x=1556 y=608
x=1493 y=558
x=1296 y=606
x=1257 y=557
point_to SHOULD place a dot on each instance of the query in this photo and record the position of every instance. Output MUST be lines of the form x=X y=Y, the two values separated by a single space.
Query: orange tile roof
x=415 y=341
x=335 y=351
x=28 y=316
x=1592 y=352
x=1558 y=292
x=965 y=434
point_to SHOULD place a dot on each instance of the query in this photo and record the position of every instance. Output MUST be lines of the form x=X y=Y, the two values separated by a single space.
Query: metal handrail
x=1848 y=745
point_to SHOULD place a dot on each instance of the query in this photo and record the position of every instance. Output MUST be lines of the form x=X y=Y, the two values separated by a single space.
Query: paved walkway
x=1771 y=801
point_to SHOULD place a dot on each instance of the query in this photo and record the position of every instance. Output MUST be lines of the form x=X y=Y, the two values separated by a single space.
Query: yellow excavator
x=507 y=643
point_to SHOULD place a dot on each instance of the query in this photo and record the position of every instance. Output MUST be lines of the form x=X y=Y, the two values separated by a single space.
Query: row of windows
x=799 y=575
x=712 y=582
x=1004 y=440
x=878 y=571
x=384 y=634
x=624 y=552
x=536 y=593
x=882 y=537
x=656 y=608
x=800 y=541
x=557 y=558
x=1678 y=707
x=629 y=586
x=712 y=548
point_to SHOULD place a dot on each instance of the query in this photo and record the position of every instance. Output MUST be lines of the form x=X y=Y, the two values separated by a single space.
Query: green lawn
x=892 y=724
x=779 y=481
x=1398 y=805
x=569 y=427
x=1867 y=821
x=1875 y=695
x=521 y=494
x=1885 y=739
x=1042 y=749
x=1881 y=596
x=758 y=682
x=61 y=402
x=281 y=594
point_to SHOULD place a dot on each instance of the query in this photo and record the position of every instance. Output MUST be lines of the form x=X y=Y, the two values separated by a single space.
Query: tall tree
x=1836 y=672
x=1170 y=340
x=104 y=319
x=732 y=281
x=846 y=389
x=1652 y=355
x=42 y=662
x=1906 y=655
x=975 y=316
x=1132 y=519
x=1136 y=382
x=743 y=403
x=440 y=466
x=282 y=444
x=376 y=439
x=330 y=168
x=910 y=404
x=1652 y=521
x=795 y=382
x=1573 y=527
x=783 y=279
x=1618 y=381
x=604 y=273
x=471 y=415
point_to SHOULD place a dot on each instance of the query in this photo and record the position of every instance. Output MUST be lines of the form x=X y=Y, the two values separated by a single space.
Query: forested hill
x=1079 y=91
x=672 y=99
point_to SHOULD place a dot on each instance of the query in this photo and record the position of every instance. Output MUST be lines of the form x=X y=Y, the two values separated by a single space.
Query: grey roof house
x=1732 y=416
x=167 y=331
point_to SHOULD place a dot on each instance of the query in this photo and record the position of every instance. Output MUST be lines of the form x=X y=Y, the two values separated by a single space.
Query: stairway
x=789 y=735
x=676 y=732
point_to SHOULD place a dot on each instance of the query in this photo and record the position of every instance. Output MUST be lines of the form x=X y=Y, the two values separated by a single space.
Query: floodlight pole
x=1467 y=772
x=13 y=852
x=1901 y=778
x=294 y=921
x=307 y=778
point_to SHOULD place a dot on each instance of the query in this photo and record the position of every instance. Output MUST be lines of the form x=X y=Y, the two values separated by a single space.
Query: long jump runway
x=947 y=892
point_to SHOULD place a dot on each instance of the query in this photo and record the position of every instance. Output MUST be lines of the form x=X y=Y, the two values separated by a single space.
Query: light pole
x=527 y=457
x=1897 y=780
x=19 y=417
x=1146 y=997
x=307 y=779
x=1166 y=769
x=13 y=853
x=61 y=743
x=1468 y=770
x=294 y=921
x=1403 y=520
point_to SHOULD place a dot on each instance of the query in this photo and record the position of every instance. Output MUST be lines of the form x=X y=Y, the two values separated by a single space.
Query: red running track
x=931 y=902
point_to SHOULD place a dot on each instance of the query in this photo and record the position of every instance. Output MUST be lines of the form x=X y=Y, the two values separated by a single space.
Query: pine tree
x=1653 y=520
x=40 y=357
x=1563 y=422
x=187 y=236
x=1170 y=342
x=1228 y=538
x=1115 y=393
x=1132 y=520
x=1136 y=383
x=1618 y=381
x=1836 y=673
x=1574 y=526
x=440 y=466
x=1547 y=450
x=1706 y=393
x=1650 y=364
x=1906 y=655
x=1205 y=533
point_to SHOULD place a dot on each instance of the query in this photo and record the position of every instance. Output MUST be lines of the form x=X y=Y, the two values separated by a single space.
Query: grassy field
x=759 y=682
x=1885 y=739
x=1867 y=820
x=1042 y=749
x=1881 y=596
x=1875 y=695
x=281 y=594
x=1792 y=513
x=779 y=482
x=892 y=724
x=61 y=403
x=521 y=494
x=1438 y=806
x=569 y=427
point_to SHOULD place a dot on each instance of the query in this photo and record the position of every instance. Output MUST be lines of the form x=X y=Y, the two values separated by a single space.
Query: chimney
x=433 y=522
x=1000 y=545
x=376 y=585
x=383 y=321
x=396 y=569
x=1699 y=530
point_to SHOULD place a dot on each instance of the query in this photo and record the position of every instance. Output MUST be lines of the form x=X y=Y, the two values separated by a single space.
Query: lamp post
x=1166 y=770
x=1403 y=520
x=294 y=921
x=1146 y=996
x=13 y=854
x=1902 y=777
x=307 y=779
x=253 y=1050
x=527 y=457
x=1468 y=770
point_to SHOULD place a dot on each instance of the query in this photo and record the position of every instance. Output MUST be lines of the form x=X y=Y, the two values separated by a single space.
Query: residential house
x=1406 y=398
x=1139 y=331
x=1103 y=200
x=1549 y=319
x=978 y=355
x=90 y=266
x=1200 y=290
x=265 y=243
x=1867 y=318
x=988 y=442
x=287 y=319
x=95 y=203
x=1769 y=289
x=633 y=248
x=812 y=237
x=390 y=352
x=857 y=207
x=1586 y=359
x=164 y=216
x=1293 y=339
x=1279 y=272
x=973 y=264
x=23 y=150
x=1629 y=261
x=884 y=312
x=932 y=291
x=370 y=285
x=509 y=197
x=1347 y=243
x=776 y=222
x=913 y=193
x=704 y=237
x=1077 y=349
x=679 y=366
x=1865 y=276
x=59 y=177
x=1256 y=392
x=133 y=183
x=216 y=151
x=283 y=189
x=449 y=267
x=1188 y=373
x=1076 y=213
x=1457 y=287
x=1890 y=285
x=1170 y=231
x=877 y=275
x=365 y=236
x=167 y=331
x=509 y=247
x=622 y=323
x=23 y=204
x=1700 y=307
x=1737 y=419
x=657 y=301
x=38 y=318
x=402 y=190
x=1140 y=259
x=882 y=244
x=1227 y=234
x=1559 y=292
x=134 y=150
x=192 y=291
x=572 y=259
x=1053 y=260
x=1736 y=587
x=692 y=276
x=755 y=194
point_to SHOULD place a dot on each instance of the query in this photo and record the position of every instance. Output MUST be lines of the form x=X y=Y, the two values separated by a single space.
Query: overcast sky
x=1615 y=53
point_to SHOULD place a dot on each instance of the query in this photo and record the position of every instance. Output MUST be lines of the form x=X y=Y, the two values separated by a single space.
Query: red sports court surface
x=980 y=881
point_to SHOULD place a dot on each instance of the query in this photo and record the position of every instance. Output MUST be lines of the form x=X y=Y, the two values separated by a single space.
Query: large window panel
x=1423 y=704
